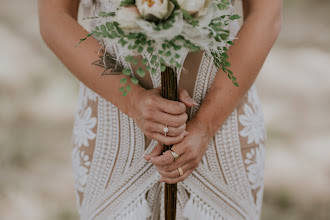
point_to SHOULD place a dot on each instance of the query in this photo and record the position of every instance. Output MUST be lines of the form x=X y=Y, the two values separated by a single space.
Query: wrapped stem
x=169 y=90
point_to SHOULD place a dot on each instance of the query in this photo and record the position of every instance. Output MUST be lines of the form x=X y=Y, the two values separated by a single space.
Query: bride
x=217 y=130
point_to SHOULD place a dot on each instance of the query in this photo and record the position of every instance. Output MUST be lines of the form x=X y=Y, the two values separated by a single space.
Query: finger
x=172 y=131
x=168 y=140
x=170 y=106
x=185 y=98
x=168 y=119
x=177 y=179
x=156 y=151
x=174 y=173
x=167 y=161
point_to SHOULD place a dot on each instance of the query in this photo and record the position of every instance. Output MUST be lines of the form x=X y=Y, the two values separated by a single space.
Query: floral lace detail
x=83 y=126
x=253 y=123
x=80 y=162
x=85 y=95
x=255 y=159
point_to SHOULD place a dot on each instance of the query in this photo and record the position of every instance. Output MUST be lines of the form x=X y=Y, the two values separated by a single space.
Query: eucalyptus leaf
x=134 y=80
x=140 y=72
x=126 y=72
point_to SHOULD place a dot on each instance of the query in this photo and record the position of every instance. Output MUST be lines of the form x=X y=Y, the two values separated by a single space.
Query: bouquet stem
x=169 y=90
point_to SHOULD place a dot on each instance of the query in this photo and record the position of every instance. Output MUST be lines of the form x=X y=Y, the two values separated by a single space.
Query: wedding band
x=175 y=155
x=165 y=130
x=180 y=171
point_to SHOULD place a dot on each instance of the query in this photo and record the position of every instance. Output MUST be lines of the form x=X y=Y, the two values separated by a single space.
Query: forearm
x=61 y=32
x=255 y=39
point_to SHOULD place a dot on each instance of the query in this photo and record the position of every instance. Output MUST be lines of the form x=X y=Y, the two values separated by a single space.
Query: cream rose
x=155 y=10
x=195 y=7
x=126 y=17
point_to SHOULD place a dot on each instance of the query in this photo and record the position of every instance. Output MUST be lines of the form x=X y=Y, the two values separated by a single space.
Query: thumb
x=155 y=152
x=185 y=98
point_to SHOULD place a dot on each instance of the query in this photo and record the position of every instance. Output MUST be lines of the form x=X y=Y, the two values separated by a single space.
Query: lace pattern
x=113 y=181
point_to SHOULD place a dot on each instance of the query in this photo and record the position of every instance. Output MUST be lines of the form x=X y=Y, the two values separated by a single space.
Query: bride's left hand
x=190 y=150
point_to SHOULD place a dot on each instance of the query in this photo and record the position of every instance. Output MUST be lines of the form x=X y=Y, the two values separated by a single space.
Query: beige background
x=38 y=98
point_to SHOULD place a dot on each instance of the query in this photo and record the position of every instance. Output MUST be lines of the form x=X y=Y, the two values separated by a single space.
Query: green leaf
x=135 y=61
x=140 y=72
x=168 y=53
x=145 y=61
x=236 y=84
x=177 y=56
x=129 y=58
x=134 y=80
x=230 y=42
x=140 y=49
x=126 y=72
x=153 y=71
x=150 y=50
x=153 y=58
x=121 y=89
x=162 y=68
x=124 y=93
x=103 y=28
x=109 y=26
x=128 y=87
x=234 y=17
x=123 y=80
x=102 y=13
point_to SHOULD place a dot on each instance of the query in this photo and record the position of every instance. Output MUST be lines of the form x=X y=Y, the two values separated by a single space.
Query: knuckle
x=194 y=163
x=182 y=107
x=185 y=116
x=166 y=169
x=173 y=175
x=148 y=114
x=177 y=124
x=147 y=126
x=151 y=101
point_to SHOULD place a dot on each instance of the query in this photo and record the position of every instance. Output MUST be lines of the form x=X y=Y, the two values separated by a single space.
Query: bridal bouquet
x=167 y=30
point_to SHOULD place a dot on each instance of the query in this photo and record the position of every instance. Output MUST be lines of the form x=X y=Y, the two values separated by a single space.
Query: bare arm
x=255 y=39
x=61 y=31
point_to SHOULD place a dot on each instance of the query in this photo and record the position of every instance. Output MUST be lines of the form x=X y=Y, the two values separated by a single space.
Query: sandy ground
x=38 y=98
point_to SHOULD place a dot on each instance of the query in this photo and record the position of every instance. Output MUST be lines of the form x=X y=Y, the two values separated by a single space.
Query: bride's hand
x=190 y=151
x=152 y=112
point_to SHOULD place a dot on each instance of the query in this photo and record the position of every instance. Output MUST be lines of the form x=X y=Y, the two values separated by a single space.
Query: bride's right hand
x=152 y=113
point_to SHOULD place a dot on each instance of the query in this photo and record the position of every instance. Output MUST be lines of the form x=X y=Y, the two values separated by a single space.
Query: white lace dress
x=114 y=181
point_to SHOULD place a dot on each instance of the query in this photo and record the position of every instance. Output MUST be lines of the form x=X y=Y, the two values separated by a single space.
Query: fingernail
x=147 y=157
x=186 y=133
x=193 y=101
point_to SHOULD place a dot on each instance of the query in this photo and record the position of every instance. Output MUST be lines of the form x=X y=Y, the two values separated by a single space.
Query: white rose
x=155 y=10
x=195 y=7
x=126 y=17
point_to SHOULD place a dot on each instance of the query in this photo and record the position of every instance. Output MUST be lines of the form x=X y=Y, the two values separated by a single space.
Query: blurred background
x=38 y=98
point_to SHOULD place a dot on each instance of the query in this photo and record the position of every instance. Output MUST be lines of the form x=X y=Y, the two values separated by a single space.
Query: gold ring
x=180 y=171
x=175 y=155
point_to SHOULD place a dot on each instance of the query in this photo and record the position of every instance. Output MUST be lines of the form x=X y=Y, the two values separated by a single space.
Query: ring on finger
x=180 y=171
x=165 y=129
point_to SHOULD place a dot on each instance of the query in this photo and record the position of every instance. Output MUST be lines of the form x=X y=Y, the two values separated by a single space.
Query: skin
x=256 y=37
x=151 y=112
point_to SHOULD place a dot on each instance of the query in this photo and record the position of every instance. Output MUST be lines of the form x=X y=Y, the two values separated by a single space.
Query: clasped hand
x=189 y=138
